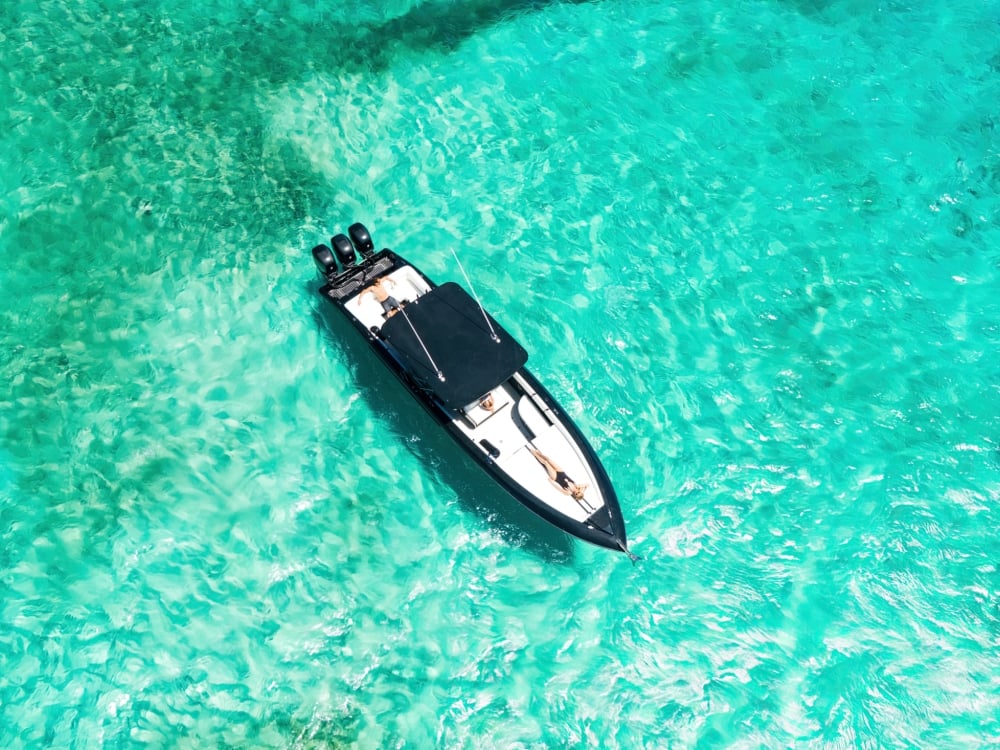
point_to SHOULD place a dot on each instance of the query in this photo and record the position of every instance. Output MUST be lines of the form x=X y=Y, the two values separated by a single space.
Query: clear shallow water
x=754 y=251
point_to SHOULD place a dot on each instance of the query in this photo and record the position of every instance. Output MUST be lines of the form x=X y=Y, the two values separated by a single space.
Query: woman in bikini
x=560 y=479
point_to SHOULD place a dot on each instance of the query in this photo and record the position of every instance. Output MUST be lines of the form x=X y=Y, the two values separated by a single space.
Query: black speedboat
x=469 y=374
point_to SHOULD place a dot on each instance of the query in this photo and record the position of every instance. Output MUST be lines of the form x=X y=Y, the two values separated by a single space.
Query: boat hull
x=604 y=528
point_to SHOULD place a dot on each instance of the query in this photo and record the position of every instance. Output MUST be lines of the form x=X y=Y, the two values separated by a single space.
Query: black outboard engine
x=325 y=261
x=344 y=249
x=362 y=240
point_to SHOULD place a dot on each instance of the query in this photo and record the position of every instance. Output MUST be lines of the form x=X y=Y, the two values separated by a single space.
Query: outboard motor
x=325 y=261
x=344 y=249
x=362 y=240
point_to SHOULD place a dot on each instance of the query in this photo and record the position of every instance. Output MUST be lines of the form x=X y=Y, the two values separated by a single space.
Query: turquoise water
x=754 y=250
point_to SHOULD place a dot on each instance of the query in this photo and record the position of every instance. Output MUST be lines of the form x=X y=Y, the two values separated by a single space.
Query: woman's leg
x=544 y=460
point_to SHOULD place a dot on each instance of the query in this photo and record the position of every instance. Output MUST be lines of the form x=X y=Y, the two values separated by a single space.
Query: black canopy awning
x=451 y=326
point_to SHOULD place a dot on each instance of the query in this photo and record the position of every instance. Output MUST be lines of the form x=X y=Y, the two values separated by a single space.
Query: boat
x=469 y=373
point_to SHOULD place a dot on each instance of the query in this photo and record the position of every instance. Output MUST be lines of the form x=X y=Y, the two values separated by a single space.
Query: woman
x=561 y=480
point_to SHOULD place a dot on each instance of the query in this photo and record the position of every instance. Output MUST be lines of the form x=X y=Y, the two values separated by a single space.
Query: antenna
x=493 y=334
x=437 y=369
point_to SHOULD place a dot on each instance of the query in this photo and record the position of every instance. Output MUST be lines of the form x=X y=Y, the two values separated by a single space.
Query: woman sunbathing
x=560 y=479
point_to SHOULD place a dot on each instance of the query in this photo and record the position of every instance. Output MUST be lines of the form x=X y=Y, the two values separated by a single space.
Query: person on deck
x=560 y=480
x=380 y=289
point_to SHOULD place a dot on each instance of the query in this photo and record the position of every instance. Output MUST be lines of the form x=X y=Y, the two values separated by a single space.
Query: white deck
x=515 y=426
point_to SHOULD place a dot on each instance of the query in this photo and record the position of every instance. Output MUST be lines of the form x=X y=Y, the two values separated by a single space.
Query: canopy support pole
x=493 y=333
x=423 y=346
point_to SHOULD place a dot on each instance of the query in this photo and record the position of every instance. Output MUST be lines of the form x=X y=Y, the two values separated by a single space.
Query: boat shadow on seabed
x=475 y=492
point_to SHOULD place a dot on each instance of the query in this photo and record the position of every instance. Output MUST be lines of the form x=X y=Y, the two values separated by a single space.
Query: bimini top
x=451 y=326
